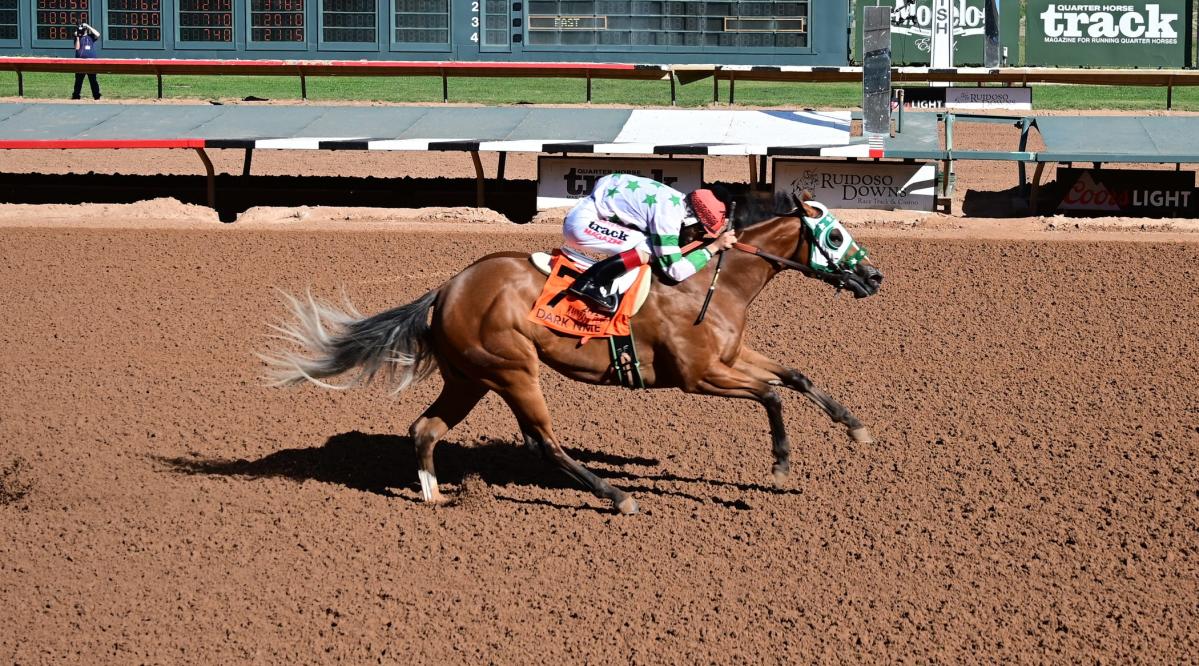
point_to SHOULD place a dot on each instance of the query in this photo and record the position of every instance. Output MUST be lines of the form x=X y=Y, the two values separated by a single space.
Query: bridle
x=839 y=277
x=836 y=277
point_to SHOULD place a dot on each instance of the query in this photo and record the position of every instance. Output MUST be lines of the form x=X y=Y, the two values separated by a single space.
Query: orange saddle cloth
x=571 y=315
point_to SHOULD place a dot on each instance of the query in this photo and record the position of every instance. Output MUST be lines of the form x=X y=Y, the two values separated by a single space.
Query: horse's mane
x=751 y=209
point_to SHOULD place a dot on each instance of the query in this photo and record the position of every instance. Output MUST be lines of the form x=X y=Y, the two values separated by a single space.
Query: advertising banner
x=1125 y=191
x=912 y=30
x=1132 y=33
x=881 y=185
x=969 y=97
x=563 y=180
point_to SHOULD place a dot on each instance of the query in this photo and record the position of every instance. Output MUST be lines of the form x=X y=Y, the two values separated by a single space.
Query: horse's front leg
x=773 y=372
x=722 y=380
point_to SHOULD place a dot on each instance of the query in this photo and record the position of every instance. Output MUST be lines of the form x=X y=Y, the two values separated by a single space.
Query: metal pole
x=499 y=169
x=991 y=38
x=474 y=156
x=673 y=98
x=732 y=86
x=245 y=164
x=445 y=88
x=158 y=75
x=210 y=175
x=20 y=83
x=303 y=87
x=588 y=88
x=876 y=76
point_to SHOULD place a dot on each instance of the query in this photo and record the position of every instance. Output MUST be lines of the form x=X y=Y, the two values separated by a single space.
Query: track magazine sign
x=883 y=185
x=971 y=97
x=1139 y=33
x=1124 y=191
x=563 y=180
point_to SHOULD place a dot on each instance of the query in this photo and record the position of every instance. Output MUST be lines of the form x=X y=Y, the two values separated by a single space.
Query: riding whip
x=703 y=311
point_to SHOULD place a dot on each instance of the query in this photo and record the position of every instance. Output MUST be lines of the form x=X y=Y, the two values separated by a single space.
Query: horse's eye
x=835 y=238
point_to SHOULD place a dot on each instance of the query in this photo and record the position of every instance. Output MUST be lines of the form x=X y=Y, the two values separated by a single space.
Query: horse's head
x=828 y=250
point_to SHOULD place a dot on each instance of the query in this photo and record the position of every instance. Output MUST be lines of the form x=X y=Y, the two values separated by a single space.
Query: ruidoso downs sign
x=883 y=185
x=1151 y=33
x=563 y=180
x=1124 y=191
x=971 y=97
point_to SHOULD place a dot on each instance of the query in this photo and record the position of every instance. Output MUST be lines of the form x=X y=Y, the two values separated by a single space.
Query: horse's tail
x=336 y=340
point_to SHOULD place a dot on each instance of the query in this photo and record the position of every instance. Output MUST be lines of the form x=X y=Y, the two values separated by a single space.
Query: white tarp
x=670 y=127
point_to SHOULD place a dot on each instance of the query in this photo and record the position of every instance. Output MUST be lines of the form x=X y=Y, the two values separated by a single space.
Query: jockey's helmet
x=710 y=210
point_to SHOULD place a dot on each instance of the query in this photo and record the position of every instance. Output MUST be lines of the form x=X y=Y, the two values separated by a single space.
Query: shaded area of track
x=1031 y=494
x=235 y=194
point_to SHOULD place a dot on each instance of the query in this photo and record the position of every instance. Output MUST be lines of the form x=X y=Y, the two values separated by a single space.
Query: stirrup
x=590 y=292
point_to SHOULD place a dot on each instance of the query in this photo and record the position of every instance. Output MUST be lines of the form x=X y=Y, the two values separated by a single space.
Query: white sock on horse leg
x=428 y=484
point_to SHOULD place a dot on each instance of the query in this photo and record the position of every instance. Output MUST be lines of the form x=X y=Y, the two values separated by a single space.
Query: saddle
x=564 y=313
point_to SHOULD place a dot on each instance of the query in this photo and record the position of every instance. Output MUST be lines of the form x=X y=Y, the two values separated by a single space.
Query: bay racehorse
x=479 y=338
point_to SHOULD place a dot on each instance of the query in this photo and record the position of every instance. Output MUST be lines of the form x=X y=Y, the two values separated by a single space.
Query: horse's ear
x=801 y=200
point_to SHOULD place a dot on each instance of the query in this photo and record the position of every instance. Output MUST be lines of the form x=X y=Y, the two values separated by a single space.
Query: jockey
x=617 y=219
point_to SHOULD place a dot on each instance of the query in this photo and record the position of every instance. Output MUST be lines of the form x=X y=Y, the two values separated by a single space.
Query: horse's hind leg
x=762 y=367
x=455 y=402
x=528 y=404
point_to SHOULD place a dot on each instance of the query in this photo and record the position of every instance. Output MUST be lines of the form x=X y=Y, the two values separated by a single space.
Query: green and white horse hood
x=833 y=248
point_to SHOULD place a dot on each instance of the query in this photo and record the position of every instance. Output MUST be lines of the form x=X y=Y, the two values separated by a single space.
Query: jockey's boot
x=589 y=286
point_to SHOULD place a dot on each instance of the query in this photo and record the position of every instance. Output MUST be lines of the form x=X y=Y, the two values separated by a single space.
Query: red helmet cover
x=709 y=210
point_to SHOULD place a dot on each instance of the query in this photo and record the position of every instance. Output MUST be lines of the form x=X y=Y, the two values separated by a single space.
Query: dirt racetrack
x=1031 y=497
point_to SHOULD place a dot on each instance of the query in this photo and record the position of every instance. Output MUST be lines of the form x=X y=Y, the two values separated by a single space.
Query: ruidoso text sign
x=563 y=180
x=1130 y=33
x=883 y=185
x=970 y=97
x=1125 y=191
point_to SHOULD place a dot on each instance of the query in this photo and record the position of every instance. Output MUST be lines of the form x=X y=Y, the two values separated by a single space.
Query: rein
x=757 y=251
x=840 y=273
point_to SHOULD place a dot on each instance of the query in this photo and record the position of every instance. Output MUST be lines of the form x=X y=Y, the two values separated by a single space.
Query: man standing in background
x=85 y=47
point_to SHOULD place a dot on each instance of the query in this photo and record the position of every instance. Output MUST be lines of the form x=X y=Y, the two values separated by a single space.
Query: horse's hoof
x=861 y=435
x=627 y=506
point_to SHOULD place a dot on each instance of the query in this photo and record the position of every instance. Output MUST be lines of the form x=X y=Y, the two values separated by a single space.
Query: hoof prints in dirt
x=16 y=481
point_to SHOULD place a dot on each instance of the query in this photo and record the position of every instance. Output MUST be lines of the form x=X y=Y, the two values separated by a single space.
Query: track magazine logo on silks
x=1108 y=24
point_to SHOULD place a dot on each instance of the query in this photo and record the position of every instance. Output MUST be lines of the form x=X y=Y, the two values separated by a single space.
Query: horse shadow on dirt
x=382 y=463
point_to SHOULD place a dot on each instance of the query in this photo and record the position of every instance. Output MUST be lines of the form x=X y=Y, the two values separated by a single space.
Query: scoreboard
x=205 y=22
x=800 y=32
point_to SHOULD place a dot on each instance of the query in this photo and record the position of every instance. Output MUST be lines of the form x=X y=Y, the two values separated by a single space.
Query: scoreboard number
x=134 y=20
x=474 y=21
x=57 y=19
x=206 y=21
x=277 y=21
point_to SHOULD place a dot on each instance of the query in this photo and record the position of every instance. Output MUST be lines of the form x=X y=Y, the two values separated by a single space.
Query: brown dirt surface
x=1031 y=495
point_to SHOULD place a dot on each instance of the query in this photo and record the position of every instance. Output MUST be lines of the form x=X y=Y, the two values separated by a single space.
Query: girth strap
x=626 y=366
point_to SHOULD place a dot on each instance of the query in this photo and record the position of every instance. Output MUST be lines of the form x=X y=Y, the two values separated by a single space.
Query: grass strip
x=427 y=89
